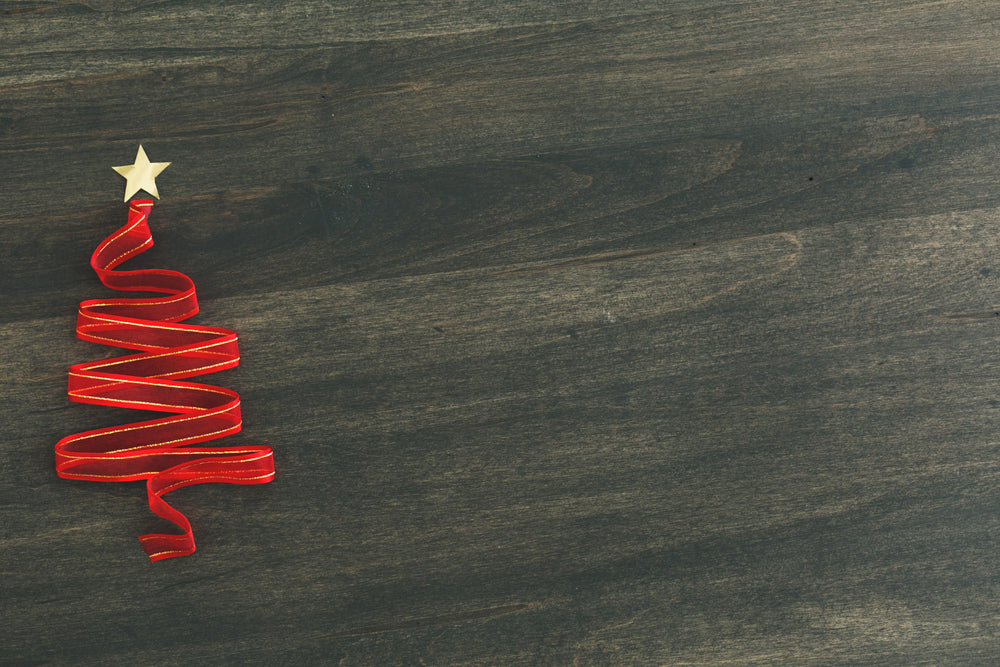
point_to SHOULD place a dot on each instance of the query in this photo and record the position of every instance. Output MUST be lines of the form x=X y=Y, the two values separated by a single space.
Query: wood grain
x=584 y=333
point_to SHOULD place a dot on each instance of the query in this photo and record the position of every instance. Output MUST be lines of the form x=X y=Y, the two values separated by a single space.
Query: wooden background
x=585 y=333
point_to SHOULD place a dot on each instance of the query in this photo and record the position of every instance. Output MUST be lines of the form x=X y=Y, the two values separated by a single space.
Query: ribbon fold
x=159 y=451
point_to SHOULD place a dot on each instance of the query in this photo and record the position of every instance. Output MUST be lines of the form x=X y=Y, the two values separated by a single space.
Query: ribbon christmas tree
x=160 y=451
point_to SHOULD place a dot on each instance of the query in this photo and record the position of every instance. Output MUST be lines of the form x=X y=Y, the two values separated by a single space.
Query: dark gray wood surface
x=619 y=333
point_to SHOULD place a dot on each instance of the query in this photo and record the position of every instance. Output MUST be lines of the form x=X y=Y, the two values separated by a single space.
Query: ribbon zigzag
x=159 y=451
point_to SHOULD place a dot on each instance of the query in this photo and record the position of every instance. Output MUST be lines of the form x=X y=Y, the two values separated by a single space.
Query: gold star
x=141 y=175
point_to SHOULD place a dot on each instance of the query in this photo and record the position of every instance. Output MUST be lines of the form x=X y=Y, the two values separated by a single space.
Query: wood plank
x=583 y=334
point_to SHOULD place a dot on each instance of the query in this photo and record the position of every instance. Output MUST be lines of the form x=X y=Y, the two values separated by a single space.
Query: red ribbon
x=159 y=451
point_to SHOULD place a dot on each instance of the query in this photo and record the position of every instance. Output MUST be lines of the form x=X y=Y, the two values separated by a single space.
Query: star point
x=141 y=175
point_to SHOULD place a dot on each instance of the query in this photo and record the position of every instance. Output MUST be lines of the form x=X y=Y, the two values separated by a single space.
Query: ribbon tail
x=254 y=467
